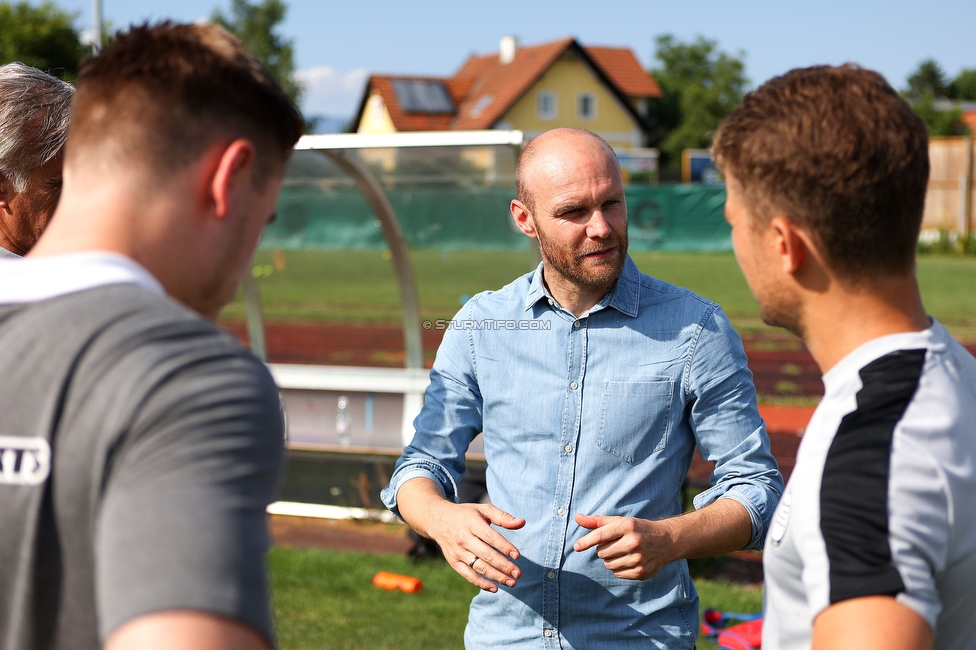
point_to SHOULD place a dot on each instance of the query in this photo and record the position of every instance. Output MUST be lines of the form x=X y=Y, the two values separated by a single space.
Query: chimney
x=506 y=49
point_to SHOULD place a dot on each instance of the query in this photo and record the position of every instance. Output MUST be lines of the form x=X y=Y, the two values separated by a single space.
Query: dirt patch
x=338 y=534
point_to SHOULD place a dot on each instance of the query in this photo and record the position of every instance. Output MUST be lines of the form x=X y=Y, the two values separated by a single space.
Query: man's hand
x=636 y=549
x=463 y=531
x=633 y=549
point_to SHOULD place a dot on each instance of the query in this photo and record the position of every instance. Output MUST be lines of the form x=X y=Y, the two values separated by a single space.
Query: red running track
x=781 y=367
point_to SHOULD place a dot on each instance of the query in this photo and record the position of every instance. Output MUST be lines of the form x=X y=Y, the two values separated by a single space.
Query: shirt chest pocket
x=635 y=418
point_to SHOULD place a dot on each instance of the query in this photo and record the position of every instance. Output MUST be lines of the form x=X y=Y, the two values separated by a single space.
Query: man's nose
x=597 y=227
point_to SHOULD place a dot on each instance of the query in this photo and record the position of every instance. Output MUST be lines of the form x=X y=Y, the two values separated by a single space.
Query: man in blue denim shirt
x=593 y=384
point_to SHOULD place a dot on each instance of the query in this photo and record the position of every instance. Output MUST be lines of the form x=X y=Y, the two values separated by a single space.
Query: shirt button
x=576 y=324
x=551 y=303
x=561 y=512
x=569 y=449
x=574 y=385
x=547 y=632
x=552 y=574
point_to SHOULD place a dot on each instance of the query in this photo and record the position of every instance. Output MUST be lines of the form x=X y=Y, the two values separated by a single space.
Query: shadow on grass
x=325 y=599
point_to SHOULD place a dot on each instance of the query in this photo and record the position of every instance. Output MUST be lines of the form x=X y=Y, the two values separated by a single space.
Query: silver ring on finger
x=471 y=563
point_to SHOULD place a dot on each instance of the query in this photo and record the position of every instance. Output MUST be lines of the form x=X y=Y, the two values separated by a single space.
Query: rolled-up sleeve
x=449 y=420
x=728 y=428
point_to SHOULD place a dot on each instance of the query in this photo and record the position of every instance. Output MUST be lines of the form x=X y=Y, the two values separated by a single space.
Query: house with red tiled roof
x=969 y=117
x=532 y=88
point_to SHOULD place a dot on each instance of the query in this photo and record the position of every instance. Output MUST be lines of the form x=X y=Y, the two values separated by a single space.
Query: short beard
x=571 y=263
x=785 y=314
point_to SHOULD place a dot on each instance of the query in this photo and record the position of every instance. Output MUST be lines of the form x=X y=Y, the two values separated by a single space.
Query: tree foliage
x=963 y=87
x=44 y=37
x=929 y=91
x=701 y=86
x=929 y=79
x=941 y=121
x=254 y=25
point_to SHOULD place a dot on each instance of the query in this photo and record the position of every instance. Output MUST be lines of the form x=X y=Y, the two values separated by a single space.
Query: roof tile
x=623 y=69
x=483 y=89
x=504 y=83
x=402 y=120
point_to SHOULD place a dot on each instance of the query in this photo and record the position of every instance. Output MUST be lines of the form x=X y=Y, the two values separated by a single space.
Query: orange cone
x=394 y=581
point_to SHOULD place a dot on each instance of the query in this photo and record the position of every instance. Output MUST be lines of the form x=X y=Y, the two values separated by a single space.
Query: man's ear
x=792 y=245
x=6 y=193
x=234 y=166
x=523 y=218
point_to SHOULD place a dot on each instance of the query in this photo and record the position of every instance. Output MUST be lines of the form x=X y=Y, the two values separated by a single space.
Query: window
x=479 y=106
x=586 y=106
x=546 y=105
x=422 y=96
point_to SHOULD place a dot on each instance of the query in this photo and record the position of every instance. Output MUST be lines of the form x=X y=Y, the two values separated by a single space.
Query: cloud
x=330 y=92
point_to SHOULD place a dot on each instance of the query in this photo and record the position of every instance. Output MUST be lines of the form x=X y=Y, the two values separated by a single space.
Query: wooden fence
x=949 y=199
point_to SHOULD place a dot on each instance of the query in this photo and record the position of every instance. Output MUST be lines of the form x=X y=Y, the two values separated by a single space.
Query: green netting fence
x=453 y=217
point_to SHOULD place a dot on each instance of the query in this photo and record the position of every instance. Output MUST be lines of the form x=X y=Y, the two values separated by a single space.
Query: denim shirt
x=597 y=415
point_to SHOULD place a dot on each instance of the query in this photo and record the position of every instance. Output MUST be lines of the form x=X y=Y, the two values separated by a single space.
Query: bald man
x=592 y=384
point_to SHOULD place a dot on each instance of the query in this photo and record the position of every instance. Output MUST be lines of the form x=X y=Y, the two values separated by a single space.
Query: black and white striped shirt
x=883 y=497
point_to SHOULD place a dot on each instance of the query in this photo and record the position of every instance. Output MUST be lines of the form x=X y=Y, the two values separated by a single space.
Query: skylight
x=479 y=106
x=422 y=96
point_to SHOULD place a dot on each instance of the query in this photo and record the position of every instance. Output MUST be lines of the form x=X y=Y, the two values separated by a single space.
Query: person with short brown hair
x=873 y=544
x=141 y=444
x=777 y=149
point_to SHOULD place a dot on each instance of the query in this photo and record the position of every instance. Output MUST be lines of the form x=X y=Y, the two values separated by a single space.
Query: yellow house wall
x=566 y=78
x=376 y=118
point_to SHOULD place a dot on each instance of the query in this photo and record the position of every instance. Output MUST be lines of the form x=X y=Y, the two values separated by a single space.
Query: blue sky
x=337 y=44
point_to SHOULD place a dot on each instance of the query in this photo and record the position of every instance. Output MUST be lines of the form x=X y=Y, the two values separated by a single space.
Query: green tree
x=929 y=79
x=963 y=87
x=941 y=121
x=701 y=86
x=43 y=36
x=927 y=85
x=254 y=25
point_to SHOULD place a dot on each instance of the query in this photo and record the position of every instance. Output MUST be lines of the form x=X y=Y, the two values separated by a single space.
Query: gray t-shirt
x=880 y=501
x=139 y=448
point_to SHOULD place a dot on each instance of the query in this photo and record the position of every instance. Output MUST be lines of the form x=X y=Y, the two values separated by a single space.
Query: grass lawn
x=325 y=599
x=359 y=286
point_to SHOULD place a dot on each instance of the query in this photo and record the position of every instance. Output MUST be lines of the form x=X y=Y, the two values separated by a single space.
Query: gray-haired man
x=34 y=112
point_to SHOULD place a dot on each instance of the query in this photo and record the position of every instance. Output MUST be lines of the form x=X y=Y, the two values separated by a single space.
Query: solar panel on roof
x=422 y=96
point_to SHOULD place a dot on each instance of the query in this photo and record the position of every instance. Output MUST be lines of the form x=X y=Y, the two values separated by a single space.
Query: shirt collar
x=624 y=296
x=935 y=336
x=38 y=278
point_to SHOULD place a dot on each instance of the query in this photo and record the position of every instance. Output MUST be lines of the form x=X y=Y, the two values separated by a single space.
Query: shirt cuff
x=419 y=468
x=746 y=496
